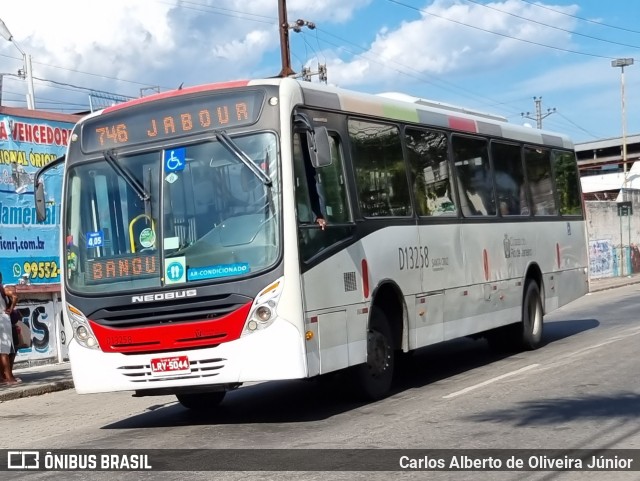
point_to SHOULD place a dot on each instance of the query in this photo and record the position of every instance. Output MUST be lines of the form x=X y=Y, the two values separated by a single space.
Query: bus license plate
x=170 y=366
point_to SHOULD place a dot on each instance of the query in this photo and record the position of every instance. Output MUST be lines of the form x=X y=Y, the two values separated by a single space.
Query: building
x=602 y=169
x=612 y=204
x=29 y=251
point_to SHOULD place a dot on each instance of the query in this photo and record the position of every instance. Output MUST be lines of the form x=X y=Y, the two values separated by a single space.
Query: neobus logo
x=165 y=296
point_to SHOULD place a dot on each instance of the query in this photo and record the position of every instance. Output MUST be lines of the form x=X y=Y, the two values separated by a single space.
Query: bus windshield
x=205 y=211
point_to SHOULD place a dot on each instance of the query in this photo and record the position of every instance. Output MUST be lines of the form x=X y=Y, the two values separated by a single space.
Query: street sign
x=625 y=209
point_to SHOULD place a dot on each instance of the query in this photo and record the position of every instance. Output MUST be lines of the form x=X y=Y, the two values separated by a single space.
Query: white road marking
x=489 y=381
x=624 y=335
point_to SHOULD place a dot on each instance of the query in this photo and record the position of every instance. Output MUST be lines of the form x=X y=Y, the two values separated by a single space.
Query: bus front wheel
x=374 y=377
x=201 y=401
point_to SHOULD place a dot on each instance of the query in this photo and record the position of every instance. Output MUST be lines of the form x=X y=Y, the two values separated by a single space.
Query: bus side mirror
x=319 y=147
x=38 y=193
x=38 y=188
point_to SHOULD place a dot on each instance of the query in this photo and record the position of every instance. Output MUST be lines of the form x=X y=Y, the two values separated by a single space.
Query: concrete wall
x=614 y=241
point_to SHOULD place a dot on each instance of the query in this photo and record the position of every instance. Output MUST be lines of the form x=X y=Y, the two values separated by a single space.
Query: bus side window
x=308 y=202
x=332 y=199
x=509 y=179
x=565 y=167
x=332 y=187
x=473 y=174
x=430 y=177
x=381 y=174
x=538 y=166
x=320 y=192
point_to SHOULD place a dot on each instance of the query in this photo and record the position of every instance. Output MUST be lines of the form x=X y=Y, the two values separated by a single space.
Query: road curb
x=28 y=391
x=628 y=282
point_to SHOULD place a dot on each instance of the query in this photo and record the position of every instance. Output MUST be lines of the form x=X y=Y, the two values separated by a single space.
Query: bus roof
x=412 y=109
x=392 y=106
x=440 y=105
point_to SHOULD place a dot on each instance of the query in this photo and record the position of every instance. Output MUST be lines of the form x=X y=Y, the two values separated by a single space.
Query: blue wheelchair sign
x=175 y=159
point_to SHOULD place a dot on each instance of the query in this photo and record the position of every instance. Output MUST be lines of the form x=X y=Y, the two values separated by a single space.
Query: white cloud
x=439 y=42
x=151 y=42
x=593 y=73
x=338 y=11
x=122 y=45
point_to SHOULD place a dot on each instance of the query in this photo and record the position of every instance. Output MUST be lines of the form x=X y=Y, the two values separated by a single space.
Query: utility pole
x=26 y=72
x=622 y=63
x=285 y=53
x=539 y=115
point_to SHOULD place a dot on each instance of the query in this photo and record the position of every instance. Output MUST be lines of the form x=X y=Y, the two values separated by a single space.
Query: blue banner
x=29 y=249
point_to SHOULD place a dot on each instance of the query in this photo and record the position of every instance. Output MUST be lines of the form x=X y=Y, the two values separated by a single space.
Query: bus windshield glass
x=184 y=214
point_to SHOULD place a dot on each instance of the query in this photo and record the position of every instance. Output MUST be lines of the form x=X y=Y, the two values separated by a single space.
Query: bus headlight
x=81 y=330
x=82 y=333
x=263 y=312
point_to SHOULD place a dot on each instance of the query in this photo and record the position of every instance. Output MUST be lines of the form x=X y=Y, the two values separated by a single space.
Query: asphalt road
x=580 y=391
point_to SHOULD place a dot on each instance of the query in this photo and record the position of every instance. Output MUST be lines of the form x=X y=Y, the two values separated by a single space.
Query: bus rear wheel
x=526 y=334
x=374 y=377
x=532 y=318
x=201 y=401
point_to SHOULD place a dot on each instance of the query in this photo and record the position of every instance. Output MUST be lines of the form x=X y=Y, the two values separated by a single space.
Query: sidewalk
x=603 y=284
x=38 y=380
x=57 y=377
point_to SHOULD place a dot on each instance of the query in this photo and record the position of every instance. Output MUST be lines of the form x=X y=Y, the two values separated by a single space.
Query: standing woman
x=7 y=351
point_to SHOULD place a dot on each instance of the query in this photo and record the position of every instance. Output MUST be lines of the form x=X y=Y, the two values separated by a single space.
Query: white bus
x=278 y=229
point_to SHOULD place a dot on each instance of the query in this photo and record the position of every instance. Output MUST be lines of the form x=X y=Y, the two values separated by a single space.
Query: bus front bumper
x=275 y=353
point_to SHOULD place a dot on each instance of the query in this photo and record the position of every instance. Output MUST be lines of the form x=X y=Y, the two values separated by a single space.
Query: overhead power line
x=553 y=26
x=87 y=89
x=498 y=33
x=405 y=70
x=595 y=22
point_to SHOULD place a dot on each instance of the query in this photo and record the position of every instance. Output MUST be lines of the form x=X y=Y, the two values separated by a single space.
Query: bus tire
x=532 y=323
x=526 y=334
x=201 y=401
x=374 y=377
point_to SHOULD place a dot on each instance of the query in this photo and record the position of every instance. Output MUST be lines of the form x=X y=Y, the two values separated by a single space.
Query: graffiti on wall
x=635 y=258
x=40 y=319
x=602 y=259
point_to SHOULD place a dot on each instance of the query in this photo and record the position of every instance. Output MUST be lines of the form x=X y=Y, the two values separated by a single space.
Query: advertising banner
x=29 y=249
x=41 y=324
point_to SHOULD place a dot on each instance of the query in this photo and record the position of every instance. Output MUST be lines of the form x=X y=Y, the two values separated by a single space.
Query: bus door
x=438 y=229
x=329 y=282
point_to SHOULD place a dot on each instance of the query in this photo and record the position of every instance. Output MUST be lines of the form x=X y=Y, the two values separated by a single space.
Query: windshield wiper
x=126 y=175
x=231 y=146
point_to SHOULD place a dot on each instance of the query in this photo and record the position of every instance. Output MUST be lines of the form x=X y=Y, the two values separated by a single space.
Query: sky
x=496 y=57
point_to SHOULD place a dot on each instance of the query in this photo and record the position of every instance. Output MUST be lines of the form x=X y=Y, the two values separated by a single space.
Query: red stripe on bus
x=558 y=254
x=463 y=124
x=365 y=278
x=177 y=93
x=171 y=336
x=485 y=260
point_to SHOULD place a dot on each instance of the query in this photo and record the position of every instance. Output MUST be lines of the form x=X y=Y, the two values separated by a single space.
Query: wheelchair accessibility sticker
x=175 y=159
